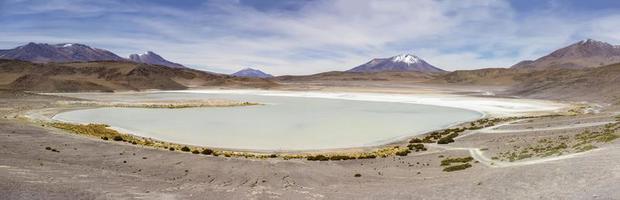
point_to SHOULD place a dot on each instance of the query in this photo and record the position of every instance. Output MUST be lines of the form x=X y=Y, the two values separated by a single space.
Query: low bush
x=207 y=151
x=449 y=161
x=415 y=140
x=457 y=167
x=367 y=156
x=417 y=147
x=171 y=149
x=117 y=138
x=447 y=139
x=185 y=148
x=318 y=158
x=403 y=152
x=195 y=151
x=341 y=157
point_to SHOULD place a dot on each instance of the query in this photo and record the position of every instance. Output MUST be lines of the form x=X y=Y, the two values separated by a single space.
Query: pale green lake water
x=284 y=123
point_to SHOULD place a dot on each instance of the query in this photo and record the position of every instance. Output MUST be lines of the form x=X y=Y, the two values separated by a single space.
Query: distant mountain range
x=73 y=52
x=107 y=76
x=583 y=54
x=67 y=52
x=574 y=72
x=402 y=63
x=249 y=72
x=152 y=58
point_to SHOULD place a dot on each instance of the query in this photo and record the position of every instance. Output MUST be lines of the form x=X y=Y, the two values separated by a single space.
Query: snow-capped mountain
x=65 y=52
x=152 y=58
x=249 y=72
x=403 y=62
x=582 y=54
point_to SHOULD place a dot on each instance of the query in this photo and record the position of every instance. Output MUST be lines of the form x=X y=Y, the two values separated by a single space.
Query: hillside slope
x=582 y=54
x=487 y=76
x=601 y=84
x=337 y=76
x=111 y=76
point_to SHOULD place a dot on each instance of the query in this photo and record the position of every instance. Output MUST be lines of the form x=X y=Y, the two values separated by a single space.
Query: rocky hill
x=152 y=58
x=596 y=84
x=583 y=54
x=249 y=72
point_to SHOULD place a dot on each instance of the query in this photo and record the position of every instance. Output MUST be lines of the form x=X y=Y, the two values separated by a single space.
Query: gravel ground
x=86 y=168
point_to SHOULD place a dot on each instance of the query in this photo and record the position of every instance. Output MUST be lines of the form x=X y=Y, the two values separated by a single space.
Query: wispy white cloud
x=315 y=36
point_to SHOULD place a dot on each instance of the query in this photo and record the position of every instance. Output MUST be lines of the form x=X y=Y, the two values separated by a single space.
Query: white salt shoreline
x=488 y=106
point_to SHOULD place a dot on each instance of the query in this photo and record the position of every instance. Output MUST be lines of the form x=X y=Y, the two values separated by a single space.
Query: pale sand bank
x=491 y=106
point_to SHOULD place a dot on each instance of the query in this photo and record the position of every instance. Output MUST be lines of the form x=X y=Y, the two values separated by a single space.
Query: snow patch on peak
x=406 y=58
x=586 y=41
x=147 y=53
x=68 y=45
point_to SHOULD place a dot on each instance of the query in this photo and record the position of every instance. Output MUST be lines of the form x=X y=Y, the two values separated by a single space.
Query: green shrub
x=207 y=151
x=104 y=138
x=318 y=158
x=367 y=156
x=457 y=167
x=403 y=153
x=171 y=149
x=415 y=140
x=195 y=151
x=417 y=147
x=449 y=161
x=185 y=148
x=447 y=139
x=341 y=157
x=357 y=175
x=117 y=138
x=586 y=148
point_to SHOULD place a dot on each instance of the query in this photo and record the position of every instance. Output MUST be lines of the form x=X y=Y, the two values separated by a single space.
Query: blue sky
x=310 y=36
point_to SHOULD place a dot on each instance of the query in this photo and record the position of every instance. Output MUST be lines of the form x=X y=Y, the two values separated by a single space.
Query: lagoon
x=283 y=123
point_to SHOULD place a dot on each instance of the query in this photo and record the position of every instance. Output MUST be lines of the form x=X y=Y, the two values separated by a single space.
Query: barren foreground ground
x=87 y=168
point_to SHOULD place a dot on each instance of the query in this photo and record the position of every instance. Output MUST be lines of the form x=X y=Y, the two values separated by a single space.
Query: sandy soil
x=86 y=168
